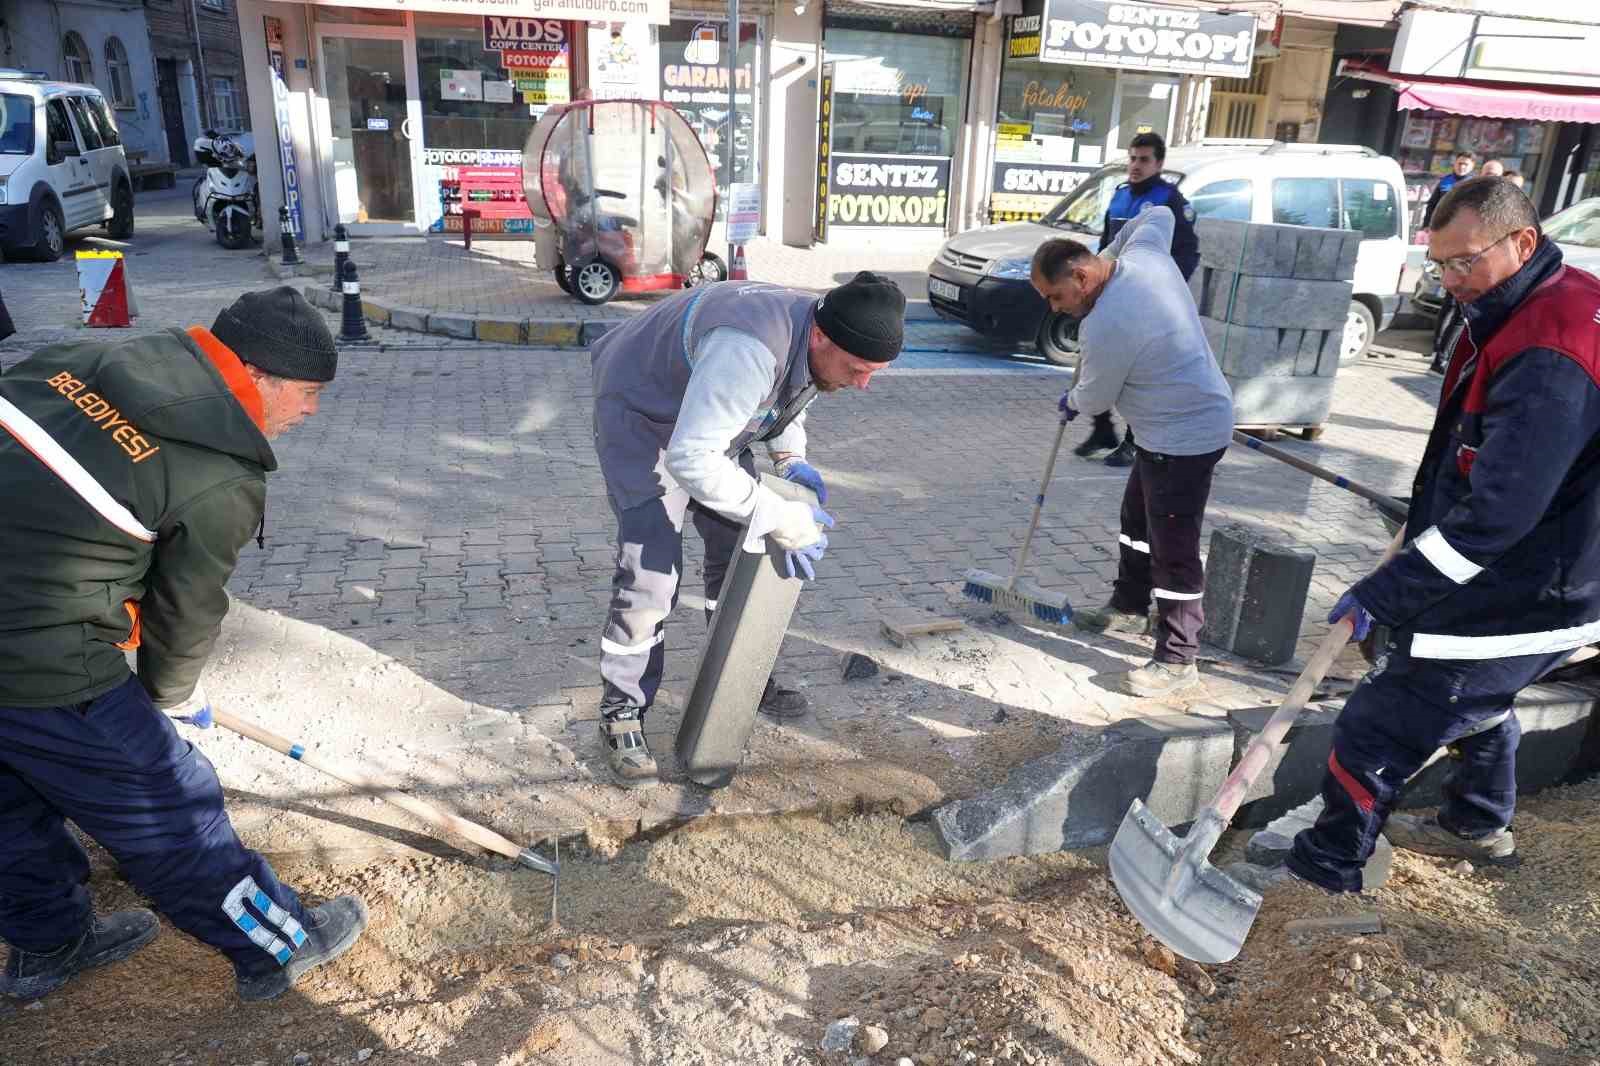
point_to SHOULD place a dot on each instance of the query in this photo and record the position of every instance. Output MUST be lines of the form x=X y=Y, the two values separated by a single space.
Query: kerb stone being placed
x=1076 y=797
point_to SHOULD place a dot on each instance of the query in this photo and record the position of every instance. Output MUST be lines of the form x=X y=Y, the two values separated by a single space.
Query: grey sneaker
x=31 y=974
x=1425 y=835
x=632 y=765
x=1260 y=879
x=331 y=930
x=1109 y=619
x=781 y=703
x=1156 y=678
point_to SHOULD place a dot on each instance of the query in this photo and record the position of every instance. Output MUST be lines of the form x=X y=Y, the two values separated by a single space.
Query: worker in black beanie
x=683 y=394
x=143 y=462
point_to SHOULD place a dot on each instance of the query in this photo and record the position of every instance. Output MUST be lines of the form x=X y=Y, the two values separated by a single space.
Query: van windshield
x=16 y=124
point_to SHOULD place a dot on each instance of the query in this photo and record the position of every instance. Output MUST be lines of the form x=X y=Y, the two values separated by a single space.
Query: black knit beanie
x=865 y=316
x=279 y=333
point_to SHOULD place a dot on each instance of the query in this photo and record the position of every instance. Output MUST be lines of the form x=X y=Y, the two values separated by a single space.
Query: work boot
x=1156 y=678
x=31 y=974
x=781 y=703
x=1112 y=619
x=1102 y=436
x=1124 y=455
x=1425 y=835
x=627 y=754
x=331 y=930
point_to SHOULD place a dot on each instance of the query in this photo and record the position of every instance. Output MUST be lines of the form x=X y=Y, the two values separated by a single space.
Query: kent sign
x=1097 y=33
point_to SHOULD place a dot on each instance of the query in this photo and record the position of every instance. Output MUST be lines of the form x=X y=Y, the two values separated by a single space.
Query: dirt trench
x=744 y=944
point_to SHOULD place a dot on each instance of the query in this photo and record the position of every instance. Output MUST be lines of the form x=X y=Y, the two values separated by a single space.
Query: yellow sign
x=1015 y=130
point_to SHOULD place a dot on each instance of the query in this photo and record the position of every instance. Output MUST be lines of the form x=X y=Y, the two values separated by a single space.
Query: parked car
x=62 y=166
x=981 y=277
x=1576 y=230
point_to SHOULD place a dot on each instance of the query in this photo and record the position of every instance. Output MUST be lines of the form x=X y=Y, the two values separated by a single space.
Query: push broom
x=1012 y=593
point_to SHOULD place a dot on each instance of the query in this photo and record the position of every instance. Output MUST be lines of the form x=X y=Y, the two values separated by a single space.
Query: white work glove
x=790 y=523
x=195 y=711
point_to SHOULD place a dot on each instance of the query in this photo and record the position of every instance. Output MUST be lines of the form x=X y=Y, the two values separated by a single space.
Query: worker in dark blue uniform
x=1145 y=186
x=1464 y=163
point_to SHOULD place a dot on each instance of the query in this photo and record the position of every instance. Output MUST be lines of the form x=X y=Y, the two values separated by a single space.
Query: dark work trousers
x=1162 y=509
x=1109 y=424
x=1403 y=711
x=118 y=768
x=644 y=590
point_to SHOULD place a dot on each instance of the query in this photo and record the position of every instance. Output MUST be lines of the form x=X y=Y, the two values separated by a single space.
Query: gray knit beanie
x=279 y=333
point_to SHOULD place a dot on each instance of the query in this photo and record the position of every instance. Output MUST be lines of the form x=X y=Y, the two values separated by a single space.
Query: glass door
x=1145 y=104
x=370 y=83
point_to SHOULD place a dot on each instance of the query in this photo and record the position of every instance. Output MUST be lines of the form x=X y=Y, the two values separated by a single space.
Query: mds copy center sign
x=1098 y=33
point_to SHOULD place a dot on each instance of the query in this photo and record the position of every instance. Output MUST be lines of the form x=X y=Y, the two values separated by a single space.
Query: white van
x=980 y=277
x=61 y=166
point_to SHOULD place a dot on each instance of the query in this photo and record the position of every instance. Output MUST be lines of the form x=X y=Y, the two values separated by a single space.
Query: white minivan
x=980 y=277
x=62 y=166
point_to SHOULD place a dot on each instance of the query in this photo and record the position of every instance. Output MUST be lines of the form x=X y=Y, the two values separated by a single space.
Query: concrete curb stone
x=1077 y=796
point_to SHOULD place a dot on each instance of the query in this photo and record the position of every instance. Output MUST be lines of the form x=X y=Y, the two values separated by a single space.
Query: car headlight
x=1009 y=268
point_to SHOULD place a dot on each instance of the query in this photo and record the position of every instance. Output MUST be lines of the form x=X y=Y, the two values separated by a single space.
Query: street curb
x=494 y=329
x=1076 y=797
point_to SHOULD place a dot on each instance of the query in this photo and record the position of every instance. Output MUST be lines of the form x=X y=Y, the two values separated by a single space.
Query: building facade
x=200 y=79
x=94 y=42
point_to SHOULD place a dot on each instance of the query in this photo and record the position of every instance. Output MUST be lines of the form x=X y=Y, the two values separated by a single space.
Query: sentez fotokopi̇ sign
x=1136 y=37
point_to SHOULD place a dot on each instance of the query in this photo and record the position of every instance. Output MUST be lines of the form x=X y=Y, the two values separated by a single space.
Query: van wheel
x=1359 y=329
x=120 y=228
x=1058 y=338
x=51 y=238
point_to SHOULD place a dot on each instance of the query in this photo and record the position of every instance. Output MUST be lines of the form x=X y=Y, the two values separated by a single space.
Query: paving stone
x=1076 y=797
x=1281 y=401
x=1248 y=300
x=555 y=333
x=375 y=311
x=1273 y=250
x=1255 y=594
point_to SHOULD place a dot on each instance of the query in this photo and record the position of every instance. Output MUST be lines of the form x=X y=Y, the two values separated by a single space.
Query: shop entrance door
x=370 y=82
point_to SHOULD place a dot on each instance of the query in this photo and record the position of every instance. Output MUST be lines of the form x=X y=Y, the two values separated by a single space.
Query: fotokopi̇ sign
x=1137 y=37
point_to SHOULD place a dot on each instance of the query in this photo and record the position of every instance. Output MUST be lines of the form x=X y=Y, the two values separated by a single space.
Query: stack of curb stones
x=1274 y=301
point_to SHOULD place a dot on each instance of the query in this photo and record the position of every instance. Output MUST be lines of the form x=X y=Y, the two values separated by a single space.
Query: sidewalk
x=498 y=282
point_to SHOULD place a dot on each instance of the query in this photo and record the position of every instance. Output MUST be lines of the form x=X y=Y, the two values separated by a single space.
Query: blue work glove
x=1360 y=618
x=803 y=473
x=1068 y=412
x=195 y=711
x=801 y=558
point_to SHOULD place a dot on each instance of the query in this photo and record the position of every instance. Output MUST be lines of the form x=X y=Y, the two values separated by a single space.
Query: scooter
x=225 y=198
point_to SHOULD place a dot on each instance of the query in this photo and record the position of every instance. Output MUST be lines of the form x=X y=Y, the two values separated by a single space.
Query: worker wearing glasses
x=1495 y=577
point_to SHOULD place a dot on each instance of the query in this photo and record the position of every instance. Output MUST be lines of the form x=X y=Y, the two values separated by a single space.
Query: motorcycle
x=225 y=197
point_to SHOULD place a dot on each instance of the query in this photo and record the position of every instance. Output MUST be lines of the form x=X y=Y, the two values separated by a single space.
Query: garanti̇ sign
x=1097 y=33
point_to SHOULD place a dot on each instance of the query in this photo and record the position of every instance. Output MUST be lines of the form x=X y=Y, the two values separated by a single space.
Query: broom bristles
x=1049 y=607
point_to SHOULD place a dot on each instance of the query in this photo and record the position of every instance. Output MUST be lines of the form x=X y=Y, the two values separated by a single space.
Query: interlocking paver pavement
x=438 y=561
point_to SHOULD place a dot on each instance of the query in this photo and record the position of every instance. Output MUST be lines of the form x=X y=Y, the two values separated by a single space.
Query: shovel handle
x=1256 y=756
x=1385 y=502
x=487 y=839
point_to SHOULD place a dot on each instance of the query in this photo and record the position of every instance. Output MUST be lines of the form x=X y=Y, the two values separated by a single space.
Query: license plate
x=944 y=289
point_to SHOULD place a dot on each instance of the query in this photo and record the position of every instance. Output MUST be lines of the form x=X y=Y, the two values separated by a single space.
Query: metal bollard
x=352 y=323
x=341 y=256
x=290 y=256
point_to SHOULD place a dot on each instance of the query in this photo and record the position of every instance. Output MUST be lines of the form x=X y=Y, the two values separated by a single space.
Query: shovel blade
x=1171 y=887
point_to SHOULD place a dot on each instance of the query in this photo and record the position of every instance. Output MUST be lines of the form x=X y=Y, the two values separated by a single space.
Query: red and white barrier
x=103 y=286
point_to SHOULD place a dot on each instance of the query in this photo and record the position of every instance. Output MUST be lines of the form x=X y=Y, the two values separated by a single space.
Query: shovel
x=1169 y=884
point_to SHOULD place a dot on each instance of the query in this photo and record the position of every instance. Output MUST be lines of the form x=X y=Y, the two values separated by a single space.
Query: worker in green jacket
x=133 y=472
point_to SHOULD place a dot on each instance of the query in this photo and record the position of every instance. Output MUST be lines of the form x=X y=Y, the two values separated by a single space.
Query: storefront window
x=1147 y=102
x=1431 y=139
x=895 y=94
x=694 y=80
x=895 y=115
x=1066 y=110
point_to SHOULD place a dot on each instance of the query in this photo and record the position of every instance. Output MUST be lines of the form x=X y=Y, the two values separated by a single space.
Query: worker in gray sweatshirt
x=1145 y=353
